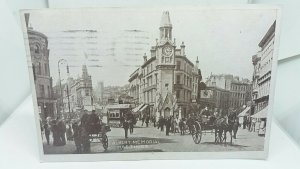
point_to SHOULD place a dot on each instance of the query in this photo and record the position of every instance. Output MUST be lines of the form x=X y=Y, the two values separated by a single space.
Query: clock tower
x=166 y=65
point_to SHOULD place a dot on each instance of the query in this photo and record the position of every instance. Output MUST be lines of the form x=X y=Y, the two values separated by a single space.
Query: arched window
x=36 y=49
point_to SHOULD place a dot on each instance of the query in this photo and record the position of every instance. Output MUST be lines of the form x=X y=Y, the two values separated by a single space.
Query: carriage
x=205 y=125
x=97 y=134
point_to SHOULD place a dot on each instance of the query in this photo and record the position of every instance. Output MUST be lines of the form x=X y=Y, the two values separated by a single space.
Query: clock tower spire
x=165 y=27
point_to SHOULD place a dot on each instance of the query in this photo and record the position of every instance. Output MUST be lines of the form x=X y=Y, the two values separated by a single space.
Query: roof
x=148 y=61
x=118 y=106
x=267 y=35
x=186 y=59
x=165 y=20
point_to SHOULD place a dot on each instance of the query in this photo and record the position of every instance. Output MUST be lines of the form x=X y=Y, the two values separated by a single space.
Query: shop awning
x=144 y=107
x=136 y=109
x=244 y=112
x=261 y=114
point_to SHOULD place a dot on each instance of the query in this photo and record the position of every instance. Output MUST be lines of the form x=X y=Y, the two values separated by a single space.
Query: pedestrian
x=69 y=132
x=55 y=134
x=131 y=122
x=47 y=132
x=181 y=126
x=147 y=120
x=244 y=122
x=84 y=134
x=154 y=121
x=76 y=136
x=84 y=138
x=176 y=125
x=126 y=126
x=61 y=126
x=253 y=124
x=162 y=124
x=168 y=126
x=172 y=124
x=143 y=120
x=189 y=122
x=159 y=122
x=235 y=127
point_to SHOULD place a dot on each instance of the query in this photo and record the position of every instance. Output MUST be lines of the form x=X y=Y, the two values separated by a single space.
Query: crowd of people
x=76 y=130
x=175 y=124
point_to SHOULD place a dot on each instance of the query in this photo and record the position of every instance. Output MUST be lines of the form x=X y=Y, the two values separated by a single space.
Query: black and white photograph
x=152 y=81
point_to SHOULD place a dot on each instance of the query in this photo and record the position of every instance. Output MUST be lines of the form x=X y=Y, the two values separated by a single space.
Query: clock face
x=168 y=50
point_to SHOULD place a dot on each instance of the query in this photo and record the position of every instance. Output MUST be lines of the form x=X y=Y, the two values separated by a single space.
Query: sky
x=112 y=41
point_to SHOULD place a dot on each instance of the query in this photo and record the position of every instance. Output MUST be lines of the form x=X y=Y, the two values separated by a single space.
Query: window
x=46 y=69
x=178 y=79
x=49 y=91
x=155 y=78
x=87 y=92
x=178 y=63
x=177 y=94
x=36 y=49
x=40 y=69
x=184 y=79
x=42 y=90
x=167 y=59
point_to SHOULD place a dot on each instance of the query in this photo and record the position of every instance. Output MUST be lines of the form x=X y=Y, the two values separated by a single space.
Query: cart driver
x=94 y=122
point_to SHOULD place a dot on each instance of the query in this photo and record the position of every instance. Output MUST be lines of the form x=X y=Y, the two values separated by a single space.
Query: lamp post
x=61 y=93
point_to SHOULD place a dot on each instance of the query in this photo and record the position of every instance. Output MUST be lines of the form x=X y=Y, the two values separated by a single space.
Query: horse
x=225 y=124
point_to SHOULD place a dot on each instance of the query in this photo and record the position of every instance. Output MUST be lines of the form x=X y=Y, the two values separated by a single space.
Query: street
x=150 y=139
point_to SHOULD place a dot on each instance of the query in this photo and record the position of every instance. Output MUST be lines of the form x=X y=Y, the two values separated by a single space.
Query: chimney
x=197 y=63
x=145 y=57
x=182 y=49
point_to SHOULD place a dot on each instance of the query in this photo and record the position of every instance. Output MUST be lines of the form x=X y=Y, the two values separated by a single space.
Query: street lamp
x=61 y=94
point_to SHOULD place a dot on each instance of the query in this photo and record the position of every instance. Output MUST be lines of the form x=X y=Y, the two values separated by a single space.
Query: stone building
x=78 y=93
x=262 y=63
x=232 y=92
x=215 y=98
x=39 y=52
x=167 y=80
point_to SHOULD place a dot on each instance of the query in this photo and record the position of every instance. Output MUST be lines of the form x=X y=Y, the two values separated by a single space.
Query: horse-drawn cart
x=210 y=125
x=97 y=134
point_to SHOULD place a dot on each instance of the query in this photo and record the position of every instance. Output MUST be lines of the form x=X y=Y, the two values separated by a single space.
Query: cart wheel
x=197 y=133
x=105 y=142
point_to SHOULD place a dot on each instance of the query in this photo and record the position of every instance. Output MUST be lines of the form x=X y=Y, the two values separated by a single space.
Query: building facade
x=215 y=99
x=226 y=92
x=262 y=63
x=167 y=81
x=78 y=93
x=39 y=52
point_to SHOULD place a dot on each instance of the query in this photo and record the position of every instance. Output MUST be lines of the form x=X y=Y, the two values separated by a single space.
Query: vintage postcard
x=152 y=83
